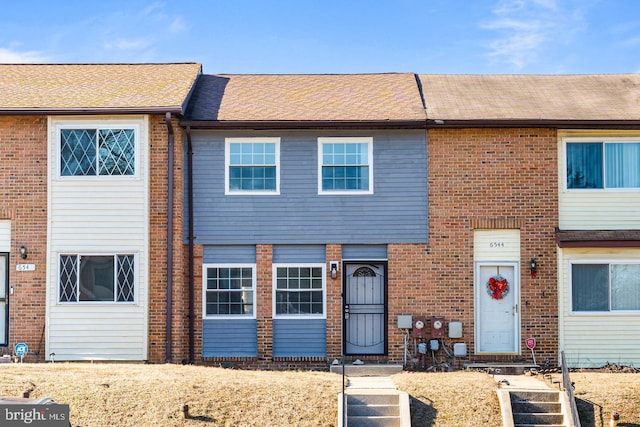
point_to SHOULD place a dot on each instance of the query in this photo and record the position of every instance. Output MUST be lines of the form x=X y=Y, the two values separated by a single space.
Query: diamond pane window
x=97 y=278
x=78 y=152
x=68 y=278
x=299 y=291
x=91 y=152
x=116 y=150
x=125 y=278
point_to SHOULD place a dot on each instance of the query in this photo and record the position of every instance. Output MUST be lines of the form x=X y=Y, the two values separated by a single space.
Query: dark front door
x=365 y=309
x=4 y=299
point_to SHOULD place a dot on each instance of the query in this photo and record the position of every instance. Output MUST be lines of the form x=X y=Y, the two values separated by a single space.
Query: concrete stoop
x=373 y=370
x=371 y=399
x=534 y=408
x=370 y=408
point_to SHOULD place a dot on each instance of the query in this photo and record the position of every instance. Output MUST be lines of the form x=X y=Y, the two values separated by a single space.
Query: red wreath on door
x=497 y=287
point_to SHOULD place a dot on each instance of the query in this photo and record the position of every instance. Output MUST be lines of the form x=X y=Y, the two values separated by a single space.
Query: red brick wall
x=492 y=178
x=158 y=140
x=23 y=183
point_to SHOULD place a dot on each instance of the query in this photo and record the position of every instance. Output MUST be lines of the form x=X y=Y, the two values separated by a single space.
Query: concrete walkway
x=522 y=382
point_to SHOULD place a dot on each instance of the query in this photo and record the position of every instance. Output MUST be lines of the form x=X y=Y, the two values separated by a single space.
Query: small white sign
x=25 y=267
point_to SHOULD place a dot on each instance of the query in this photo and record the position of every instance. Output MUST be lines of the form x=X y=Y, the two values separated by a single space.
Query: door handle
x=346 y=312
x=515 y=309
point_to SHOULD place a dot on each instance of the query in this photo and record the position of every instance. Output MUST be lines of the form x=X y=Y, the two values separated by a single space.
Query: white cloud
x=177 y=25
x=11 y=56
x=127 y=44
x=527 y=28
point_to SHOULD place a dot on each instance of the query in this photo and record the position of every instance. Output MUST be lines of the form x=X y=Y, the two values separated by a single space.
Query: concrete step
x=539 y=425
x=374 y=370
x=534 y=407
x=372 y=399
x=373 y=421
x=537 y=419
x=520 y=396
x=374 y=410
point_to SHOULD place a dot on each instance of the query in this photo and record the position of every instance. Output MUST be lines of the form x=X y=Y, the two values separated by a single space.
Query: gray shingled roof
x=532 y=97
x=354 y=97
x=103 y=87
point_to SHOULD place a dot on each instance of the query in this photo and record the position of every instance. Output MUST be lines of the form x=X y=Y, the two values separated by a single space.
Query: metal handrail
x=568 y=386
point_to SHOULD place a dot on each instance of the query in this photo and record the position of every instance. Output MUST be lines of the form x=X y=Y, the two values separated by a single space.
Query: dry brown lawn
x=141 y=395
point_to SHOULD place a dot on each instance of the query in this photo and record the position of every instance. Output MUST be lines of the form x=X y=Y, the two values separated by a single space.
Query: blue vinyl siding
x=296 y=254
x=229 y=254
x=396 y=212
x=229 y=338
x=299 y=337
x=364 y=252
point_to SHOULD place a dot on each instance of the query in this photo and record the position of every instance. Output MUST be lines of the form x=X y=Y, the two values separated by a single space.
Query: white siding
x=98 y=215
x=5 y=236
x=496 y=245
x=596 y=209
x=593 y=340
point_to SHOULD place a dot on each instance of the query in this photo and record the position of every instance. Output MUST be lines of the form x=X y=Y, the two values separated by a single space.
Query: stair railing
x=568 y=386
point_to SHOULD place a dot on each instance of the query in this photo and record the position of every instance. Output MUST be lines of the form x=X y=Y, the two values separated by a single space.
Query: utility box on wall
x=455 y=329
x=405 y=321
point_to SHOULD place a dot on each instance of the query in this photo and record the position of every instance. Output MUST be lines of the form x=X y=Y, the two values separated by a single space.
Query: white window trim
x=136 y=283
x=136 y=125
x=563 y=168
x=610 y=312
x=250 y=140
x=204 y=291
x=324 y=290
x=345 y=140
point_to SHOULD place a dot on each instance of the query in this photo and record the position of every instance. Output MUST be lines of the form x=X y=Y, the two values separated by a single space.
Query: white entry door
x=497 y=309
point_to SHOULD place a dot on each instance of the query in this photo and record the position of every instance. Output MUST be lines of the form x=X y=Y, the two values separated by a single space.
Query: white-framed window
x=85 y=278
x=103 y=149
x=229 y=290
x=252 y=166
x=345 y=165
x=299 y=290
x=602 y=164
x=605 y=286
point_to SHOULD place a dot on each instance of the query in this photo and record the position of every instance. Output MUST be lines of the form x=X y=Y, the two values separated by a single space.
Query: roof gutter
x=304 y=124
x=534 y=123
x=170 y=160
x=90 y=111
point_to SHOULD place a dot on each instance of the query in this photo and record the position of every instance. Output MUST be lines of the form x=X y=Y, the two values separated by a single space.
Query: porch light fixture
x=534 y=267
x=333 y=266
x=23 y=252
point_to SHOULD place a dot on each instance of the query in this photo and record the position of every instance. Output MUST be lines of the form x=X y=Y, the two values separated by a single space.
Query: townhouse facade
x=152 y=212
x=85 y=208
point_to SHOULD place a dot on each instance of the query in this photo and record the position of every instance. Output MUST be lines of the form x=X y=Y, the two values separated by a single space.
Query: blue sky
x=331 y=36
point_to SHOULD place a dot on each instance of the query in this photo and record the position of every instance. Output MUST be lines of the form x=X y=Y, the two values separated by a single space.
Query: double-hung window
x=345 y=165
x=98 y=151
x=97 y=278
x=299 y=290
x=604 y=164
x=252 y=166
x=605 y=287
x=229 y=290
